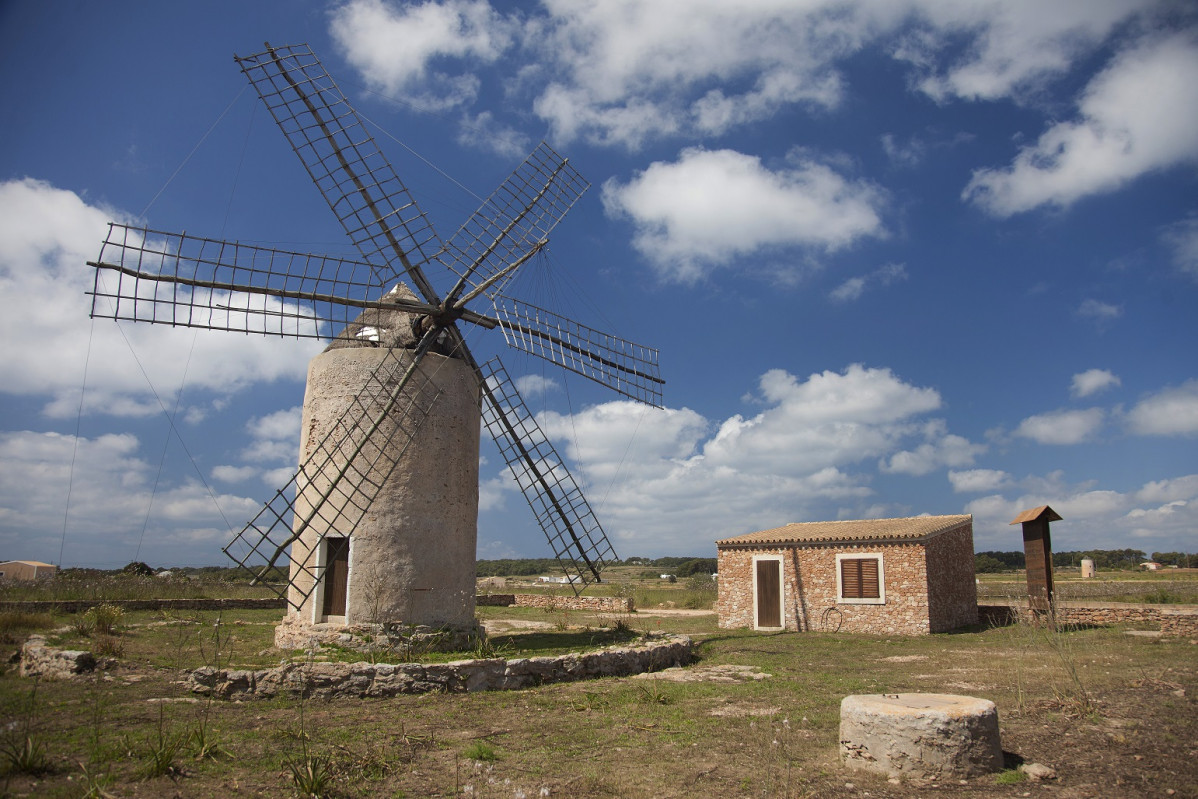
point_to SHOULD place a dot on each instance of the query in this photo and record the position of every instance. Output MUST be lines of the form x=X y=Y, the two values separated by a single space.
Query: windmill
x=381 y=517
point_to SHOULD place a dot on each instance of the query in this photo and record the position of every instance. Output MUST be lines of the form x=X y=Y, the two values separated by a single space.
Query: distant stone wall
x=1171 y=621
x=81 y=605
x=602 y=604
x=1182 y=623
x=356 y=680
x=495 y=600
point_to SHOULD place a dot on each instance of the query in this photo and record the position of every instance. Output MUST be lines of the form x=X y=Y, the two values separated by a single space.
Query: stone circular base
x=393 y=638
x=920 y=735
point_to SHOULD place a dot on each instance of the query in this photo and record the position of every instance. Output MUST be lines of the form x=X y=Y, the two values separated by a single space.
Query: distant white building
x=26 y=569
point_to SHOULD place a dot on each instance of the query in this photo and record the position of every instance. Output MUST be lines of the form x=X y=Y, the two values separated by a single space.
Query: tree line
x=1109 y=559
x=526 y=567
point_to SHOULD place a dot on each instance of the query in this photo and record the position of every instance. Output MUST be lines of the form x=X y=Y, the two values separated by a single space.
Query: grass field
x=1114 y=714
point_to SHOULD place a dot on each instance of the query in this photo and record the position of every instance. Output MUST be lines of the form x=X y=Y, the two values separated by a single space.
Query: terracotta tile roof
x=914 y=528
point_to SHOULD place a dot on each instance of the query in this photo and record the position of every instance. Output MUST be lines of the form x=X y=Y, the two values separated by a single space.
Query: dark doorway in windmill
x=336 y=576
x=769 y=593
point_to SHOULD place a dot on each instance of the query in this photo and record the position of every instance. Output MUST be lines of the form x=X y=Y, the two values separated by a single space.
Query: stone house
x=26 y=570
x=905 y=576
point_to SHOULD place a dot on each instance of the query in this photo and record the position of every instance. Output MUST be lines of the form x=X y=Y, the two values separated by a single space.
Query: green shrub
x=103 y=619
x=480 y=750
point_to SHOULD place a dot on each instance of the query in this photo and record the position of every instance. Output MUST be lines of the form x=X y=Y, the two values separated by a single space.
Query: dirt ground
x=1114 y=715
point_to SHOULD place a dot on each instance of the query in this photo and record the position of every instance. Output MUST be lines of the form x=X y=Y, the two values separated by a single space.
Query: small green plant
x=1010 y=777
x=95 y=784
x=162 y=750
x=485 y=648
x=107 y=646
x=24 y=754
x=103 y=619
x=201 y=741
x=311 y=774
x=481 y=751
x=21 y=750
x=650 y=693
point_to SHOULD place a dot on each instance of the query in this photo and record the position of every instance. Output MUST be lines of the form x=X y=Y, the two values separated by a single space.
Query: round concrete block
x=920 y=735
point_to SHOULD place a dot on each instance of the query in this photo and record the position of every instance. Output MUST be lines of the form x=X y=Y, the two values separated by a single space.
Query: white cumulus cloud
x=1092 y=381
x=672 y=479
x=1170 y=412
x=1136 y=116
x=47 y=235
x=1062 y=427
x=976 y=481
x=711 y=206
x=393 y=46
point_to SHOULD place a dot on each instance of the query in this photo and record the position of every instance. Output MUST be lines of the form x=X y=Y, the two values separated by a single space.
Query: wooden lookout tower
x=1037 y=550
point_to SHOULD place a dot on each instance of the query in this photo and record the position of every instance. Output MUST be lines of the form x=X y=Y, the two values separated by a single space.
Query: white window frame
x=781 y=591
x=841 y=599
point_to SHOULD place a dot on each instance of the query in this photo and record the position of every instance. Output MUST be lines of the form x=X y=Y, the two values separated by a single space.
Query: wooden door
x=769 y=593
x=336 y=576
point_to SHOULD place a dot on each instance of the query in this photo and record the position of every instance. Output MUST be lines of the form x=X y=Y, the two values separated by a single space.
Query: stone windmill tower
x=379 y=523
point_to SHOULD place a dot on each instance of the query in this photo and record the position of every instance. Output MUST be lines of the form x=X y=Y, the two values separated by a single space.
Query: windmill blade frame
x=184 y=280
x=621 y=365
x=557 y=502
x=514 y=221
x=230 y=286
x=356 y=180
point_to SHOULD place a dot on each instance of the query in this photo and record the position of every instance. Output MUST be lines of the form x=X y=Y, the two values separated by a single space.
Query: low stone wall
x=39 y=660
x=604 y=604
x=81 y=605
x=495 y=600
x=1182 y=623
x=330 y=680
x=1171 y=621
x=601 y=604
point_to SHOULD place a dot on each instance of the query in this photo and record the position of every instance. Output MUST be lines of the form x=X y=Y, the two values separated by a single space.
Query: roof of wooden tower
x=1043 y=513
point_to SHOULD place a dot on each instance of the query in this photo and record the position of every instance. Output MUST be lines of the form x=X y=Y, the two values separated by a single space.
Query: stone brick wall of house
x=810 y=603
x=952 y=586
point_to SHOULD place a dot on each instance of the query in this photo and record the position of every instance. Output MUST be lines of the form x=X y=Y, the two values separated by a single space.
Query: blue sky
x=898 y=258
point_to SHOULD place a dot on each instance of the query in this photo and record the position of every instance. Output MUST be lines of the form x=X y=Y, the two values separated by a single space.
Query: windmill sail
x=565 y=516
x=179 y=279
x=355 y=178
x=145 y=275
x=517 y=218
x=628 y=368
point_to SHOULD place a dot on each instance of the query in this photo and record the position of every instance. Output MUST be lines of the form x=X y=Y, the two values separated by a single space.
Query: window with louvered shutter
x=861 y=579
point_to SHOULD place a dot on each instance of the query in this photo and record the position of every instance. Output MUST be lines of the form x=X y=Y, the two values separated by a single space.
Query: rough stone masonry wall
x=1172 y=621
x=80 y=605
x=39 y=660
x=952 y=584
x=809 y=588
x=329 y=680
x=604 y=604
